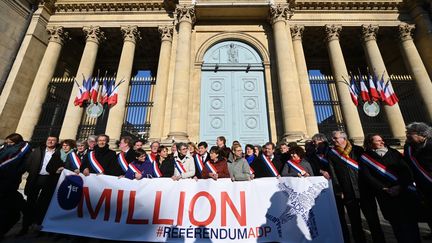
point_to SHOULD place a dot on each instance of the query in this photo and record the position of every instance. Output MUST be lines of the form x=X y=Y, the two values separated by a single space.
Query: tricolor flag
x=353 y=91
x=106 y=90
x=373 y=90
x=364 y=91
x=86 y=87
x=380 y=88
x=78 y=98
x=390 y=96
x=94 y=91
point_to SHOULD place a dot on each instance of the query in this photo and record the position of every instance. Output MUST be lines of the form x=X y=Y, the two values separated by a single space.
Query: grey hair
x=82 y=142
x=180 y=145
x=92 y=138
x=341 y=133
x=319 y=137
x=420 y=128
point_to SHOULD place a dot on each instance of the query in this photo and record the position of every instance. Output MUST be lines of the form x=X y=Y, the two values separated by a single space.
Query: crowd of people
x=401 y=183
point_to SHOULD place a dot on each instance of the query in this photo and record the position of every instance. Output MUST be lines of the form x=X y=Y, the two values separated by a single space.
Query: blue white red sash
x=95 y=163
x=417 y=165
x=199 y=163
x=157 y=172
x=150 y=158
x=76 y=161
x=20 y=154
x=322 y=158
x=121 y=159
x=251 y=170
x=350 y=162
x=211 y=167
x=270 y=166
x=179 y=166
x=298 y=168
x=134 y=168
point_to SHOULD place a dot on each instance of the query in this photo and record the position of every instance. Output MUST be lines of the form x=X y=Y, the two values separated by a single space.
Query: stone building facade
x=242 y=68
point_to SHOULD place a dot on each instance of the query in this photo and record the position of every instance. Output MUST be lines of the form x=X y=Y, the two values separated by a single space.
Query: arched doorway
x=233 y=101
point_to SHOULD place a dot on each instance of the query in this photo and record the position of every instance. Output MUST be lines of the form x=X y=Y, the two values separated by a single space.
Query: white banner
x=261 y=210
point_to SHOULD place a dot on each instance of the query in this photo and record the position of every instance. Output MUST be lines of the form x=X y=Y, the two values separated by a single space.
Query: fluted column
x=117 y=112
x=179 y=112
x=376 y=64
x=71 y=122
x=292 y=113
x=340 y=74
x=415 y=66
x=423 y=35
x=38 y=92
x=159 y=103
x=305 y=88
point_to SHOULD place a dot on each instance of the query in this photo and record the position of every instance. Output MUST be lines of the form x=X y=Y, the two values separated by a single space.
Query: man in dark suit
x=267 y=164
x=36 y=180
x=201 y=157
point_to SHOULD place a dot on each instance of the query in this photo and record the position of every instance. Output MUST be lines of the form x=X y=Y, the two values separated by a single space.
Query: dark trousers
x=406 y=232
x=354 y=215
x=11 y=205
x=32 y=212
x=370 y=211
x=341 y=212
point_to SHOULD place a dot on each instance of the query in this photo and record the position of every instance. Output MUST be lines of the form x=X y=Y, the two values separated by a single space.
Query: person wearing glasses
x=239 y=169
x=344 y=160
x=184 y=166
x=418 y=155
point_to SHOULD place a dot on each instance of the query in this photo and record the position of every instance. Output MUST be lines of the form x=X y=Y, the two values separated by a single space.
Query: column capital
x=280 y=12
x=369 y=32
x=130 y=33
x=332 y=31
x=406 y=31
x=297 y=32
x=94 y=34
x=57 y=34
x=166 y=32
x=185 y=13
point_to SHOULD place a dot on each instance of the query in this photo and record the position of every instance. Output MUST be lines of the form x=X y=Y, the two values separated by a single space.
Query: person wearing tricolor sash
x=343 y=160
x=217 y=166
x=200 y=159
x=184 y=166
x=126 y=147
x=297 y=165
x=418 y=155
x=102 y=160
x=154 y=146
x=239 y=168
x=75 y=158
x=389 y=178
x=164 y=163
x=13 y=155
x=140 y=167
x=316 y=154
x=267 y=164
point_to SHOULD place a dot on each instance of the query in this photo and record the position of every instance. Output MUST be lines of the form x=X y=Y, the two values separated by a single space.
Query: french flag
x=364 y=92
x=87 y=84
x=106 y=88
x=78 y=98
x=373 y=90
x=112 y=96
x=353 y=92
x=380 y=88
x=390 y=96
x=94 y=91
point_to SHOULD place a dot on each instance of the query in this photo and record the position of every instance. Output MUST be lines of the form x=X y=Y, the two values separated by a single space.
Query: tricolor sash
x=76 y=161
x=211 y=167
x=20 y=154
x=270 y=166
x=199 y=163
x=322 y=158
x=150 y=158
x=121 y=159
x=179 y=166
x=350 y=162
x=417 y=166
x=251 y=170
x=297 y=167
x=95 y=163
x=134 y=168
x=156 y=169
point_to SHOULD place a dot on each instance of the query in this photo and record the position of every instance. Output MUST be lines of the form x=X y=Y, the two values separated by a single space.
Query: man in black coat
x=102 y=160
x=126 y=147
x=267 y=164
x=201 y=157
x=36 y=180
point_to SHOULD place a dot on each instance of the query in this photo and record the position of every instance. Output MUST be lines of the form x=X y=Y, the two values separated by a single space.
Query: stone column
x=376 y=63
x=292 y=113
x=305 y=88
x=423 y=35
x=38 y=92
x=180 y=101
x=94 y=36
x=415 y=66
x=157 y=118
x=117 y=112
x=340 y=74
